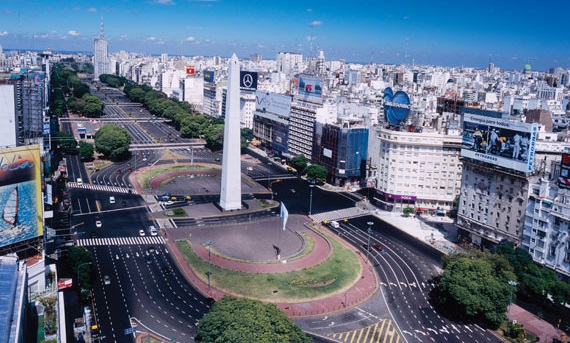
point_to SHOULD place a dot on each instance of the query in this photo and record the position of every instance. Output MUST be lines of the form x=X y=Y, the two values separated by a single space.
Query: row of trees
x=313 y=171
x=182 y=114
x=476 y=286
x=67 y=90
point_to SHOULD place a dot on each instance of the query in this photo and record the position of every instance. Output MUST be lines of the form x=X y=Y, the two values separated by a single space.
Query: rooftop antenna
x=101 y=33
x=311 y=41
x=371 y=57
x=406 y=52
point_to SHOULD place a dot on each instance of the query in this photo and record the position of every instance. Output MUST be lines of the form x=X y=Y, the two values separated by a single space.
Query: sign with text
x=209 y=75
x=190 y=70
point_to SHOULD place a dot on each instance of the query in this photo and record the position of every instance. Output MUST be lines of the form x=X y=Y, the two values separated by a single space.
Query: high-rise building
x=288 y=62
x=100 y=55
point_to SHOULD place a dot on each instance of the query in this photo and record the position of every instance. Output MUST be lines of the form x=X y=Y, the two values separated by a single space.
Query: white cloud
x=316 y=23
x=91 y=9
x=163 y=2
x=260 y=46
x=124 y=37
x=151 y=38
x=73 y=33
x=3 y=33
x=190 y=39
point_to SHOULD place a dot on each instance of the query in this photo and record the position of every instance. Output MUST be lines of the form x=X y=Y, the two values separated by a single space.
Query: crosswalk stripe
x=115 y=189
x=121 y=241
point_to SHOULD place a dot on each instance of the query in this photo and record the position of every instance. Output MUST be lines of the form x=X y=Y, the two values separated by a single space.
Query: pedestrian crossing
x=102 y=188
x=120 y=241
x=350 y=212
x=383 y=331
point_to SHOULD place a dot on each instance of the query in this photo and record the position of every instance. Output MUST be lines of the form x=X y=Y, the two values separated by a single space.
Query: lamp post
x=269 y=175
x=79 y=268
x=368 y=246
x=209 y=245
x=311 y=199
x=513 y=284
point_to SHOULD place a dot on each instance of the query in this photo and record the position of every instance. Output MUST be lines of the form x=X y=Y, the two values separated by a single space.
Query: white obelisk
x=230 y=197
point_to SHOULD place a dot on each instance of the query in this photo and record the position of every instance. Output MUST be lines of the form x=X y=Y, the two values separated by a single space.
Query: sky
x=507 y=33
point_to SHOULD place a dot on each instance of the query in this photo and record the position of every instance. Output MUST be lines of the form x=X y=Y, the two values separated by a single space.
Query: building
x=14 y=295
x=342 y=150
x=546 y=231
x=289 y=63
x=418 y=169
x=301 y=128
x=212 y=100
x=100 y=55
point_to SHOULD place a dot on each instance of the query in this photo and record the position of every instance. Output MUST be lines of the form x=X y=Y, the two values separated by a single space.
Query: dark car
x=148 y=259
x=123 y=203
x=118 y=171
x=378 y=247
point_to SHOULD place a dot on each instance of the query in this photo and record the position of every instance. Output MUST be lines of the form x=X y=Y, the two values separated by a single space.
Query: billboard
x=279 y=104
x=209 y=75
x=396 y=106
x=499 y=141
x=247 y=80
x=309 y=87
x=190 y=70
x=564 y=178
x=20 y=195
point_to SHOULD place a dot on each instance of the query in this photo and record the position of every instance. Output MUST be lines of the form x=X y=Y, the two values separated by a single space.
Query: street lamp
x=269 y=175
x=311 y=199
x=209 y=245
x=513 y=284
x=368 y=246
x=78 y=268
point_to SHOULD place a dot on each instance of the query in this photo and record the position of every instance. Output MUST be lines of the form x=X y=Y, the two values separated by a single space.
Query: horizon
x=428 y=34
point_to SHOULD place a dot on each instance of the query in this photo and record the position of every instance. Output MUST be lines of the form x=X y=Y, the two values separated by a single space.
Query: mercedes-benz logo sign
x=247 y=80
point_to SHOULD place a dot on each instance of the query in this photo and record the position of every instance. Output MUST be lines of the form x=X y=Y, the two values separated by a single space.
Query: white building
x=416 y=169
x=100 y=55
x=289 y=63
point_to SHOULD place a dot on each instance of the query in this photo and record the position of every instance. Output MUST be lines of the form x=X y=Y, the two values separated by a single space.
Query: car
x=168 y=203
x=151 y=250
x=93 y=234
x=118 y=171
x=141 y=232
x=112 y=200
x=152 y=230
x=106 y=280
x=378 y=247
x=366 y=247
x=79 y=182
x=148 y=259
x=98 y=224
x=217 y=159
x=123 y=203
x=129 y=169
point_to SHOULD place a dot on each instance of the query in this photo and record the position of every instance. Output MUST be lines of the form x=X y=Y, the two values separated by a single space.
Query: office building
x=100 y=55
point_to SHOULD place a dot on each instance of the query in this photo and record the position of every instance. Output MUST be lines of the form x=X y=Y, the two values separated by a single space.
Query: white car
x=107 y=280
x=98 y=224
x=141 y=232
x=168 y=203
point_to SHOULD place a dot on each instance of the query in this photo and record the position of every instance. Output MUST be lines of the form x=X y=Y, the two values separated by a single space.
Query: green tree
x=246 y=137
x=86 y=151
x=66 y=142
x=214 y=136
x=317 y=172
x=136 y=95
x=408 y=211
x=113 y=142
x=80 y=262
x=475 y=287
x=299 y=162
x=245 y=320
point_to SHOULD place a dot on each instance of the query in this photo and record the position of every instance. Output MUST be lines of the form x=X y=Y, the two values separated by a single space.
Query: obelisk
x=230 y=197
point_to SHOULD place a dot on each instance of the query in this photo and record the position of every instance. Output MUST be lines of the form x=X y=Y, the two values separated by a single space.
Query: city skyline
x=504 y=33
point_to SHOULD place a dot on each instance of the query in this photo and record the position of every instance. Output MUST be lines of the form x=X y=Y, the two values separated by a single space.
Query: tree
x=66 y=142
x=113 y=142
x=317 y=172
x=475 y=287
x=244 y=320
x=86 y=151
x=299 y=162
x=80 y=262
x=214 y=136
x=408 y=211
x=246 y=137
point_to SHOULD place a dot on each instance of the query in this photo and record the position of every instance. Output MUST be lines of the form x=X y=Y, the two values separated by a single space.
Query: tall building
x=100 y=55
x=271 y=121
x=288 y=62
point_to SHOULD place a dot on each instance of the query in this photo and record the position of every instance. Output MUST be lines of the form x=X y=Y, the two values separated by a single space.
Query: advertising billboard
x=564 y=178
x=396 y=106
x=190 y=70
x=247 y=80
x=209 y=75
x=279 y=104
x=20 y=195
x=309 y=87
x=280 y=137
x=499 y=141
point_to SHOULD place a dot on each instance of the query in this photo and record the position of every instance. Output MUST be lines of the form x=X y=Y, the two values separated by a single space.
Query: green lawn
x=144 y=176
x=334 y=275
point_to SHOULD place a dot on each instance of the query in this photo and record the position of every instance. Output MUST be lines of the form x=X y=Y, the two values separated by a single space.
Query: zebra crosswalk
x=102 y=188
x=120 y=241
x=383 y=331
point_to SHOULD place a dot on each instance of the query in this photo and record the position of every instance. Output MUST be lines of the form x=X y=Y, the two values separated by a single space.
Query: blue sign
x=209 y=76
x=129 y=331
x=396 y=106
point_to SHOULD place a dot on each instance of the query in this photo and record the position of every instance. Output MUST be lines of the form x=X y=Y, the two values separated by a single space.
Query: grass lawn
x=176 y=212
x=336 y=274
x=144 y=176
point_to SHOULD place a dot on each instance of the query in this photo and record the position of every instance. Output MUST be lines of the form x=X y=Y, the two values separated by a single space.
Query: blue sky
x=508 y=33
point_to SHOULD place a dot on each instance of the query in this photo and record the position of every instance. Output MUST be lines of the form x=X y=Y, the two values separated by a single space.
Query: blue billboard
x=396 y=106
x=247 y=80
x=208 y=75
